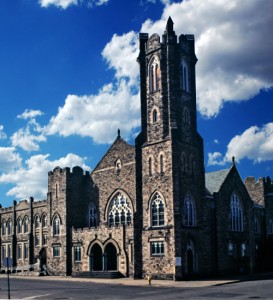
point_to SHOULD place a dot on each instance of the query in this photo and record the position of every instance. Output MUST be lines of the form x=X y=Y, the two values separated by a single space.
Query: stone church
x=148 y=208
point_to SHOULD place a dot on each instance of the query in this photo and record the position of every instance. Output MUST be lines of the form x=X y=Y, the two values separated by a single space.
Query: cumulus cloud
x=31 y=180
x=9 y=159
x=29 y=137
x=254 y=143
x=233 y=46
x=2 y=133
x=98 y=116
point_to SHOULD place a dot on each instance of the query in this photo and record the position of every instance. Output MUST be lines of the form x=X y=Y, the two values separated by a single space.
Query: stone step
x=100 y=274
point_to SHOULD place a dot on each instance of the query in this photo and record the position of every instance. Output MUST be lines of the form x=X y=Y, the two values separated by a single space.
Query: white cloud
x=215 y=158
x=98 y=116
x=2 y=133
x=30 y=114
x=254 y=144
x=59 y=3
x=31 y=181
x=232 y=45
x=66 y=3
x=9 y=159
x=29 y=137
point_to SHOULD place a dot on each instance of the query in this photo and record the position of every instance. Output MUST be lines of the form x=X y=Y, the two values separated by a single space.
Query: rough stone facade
x=148 y=208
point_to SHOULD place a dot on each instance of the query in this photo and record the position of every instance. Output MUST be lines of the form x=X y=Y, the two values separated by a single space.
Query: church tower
x=170 y=165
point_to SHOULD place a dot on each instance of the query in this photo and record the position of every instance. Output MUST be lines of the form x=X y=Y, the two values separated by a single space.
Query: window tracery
x=154 y=73
x=92 y=215
x=157 y=211
x=236 y=213
x=189 y=211
x=120 y=211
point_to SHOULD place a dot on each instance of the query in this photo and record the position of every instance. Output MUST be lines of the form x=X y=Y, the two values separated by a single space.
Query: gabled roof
x=214 y=180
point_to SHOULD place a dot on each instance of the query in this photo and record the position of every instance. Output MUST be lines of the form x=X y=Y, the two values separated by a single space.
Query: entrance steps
x=100 y=274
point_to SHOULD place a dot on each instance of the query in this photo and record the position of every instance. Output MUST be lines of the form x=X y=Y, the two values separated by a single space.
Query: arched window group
x=120 y=211
x=154 y=74
x=157 y=211
x=189 y=211
x=236 y=211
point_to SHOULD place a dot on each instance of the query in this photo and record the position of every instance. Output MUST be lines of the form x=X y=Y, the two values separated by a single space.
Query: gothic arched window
x=186 y=116
x=189 y=211
x=9 y=227
x=92 y=215
x=150 y=166
x=25 y=224
x=185 y=76
x=4 y=227
x=56 y=226
x=36 y=222
x=157 y=211
x=120 y=211
x=154 y=72
x=19 y=225
x=44 y=220
x=236 y=213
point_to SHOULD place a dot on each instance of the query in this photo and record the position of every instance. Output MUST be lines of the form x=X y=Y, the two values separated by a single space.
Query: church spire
x=169 y=27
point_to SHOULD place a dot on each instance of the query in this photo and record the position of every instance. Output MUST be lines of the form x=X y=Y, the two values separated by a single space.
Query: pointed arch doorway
x=110 y=253
x=96 y=258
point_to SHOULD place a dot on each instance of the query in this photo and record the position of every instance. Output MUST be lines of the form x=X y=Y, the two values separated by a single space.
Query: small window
x=186 y=116
x=118 y=166
x=189 y=211
x=256 y=226
x=77 y=254
x=157 y=248
x=154 y=75
x=185 y=77
x=56 y=251
x=3 y=251
x=243 y=249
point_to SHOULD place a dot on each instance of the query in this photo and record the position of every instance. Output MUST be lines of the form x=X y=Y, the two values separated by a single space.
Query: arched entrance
x=111 y=257
x=96 y=258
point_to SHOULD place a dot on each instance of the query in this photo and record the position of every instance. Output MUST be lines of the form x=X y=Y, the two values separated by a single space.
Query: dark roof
x=214 y=180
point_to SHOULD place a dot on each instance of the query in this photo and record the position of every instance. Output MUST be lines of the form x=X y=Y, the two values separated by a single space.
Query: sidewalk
x=132 y=282
x=155 y=283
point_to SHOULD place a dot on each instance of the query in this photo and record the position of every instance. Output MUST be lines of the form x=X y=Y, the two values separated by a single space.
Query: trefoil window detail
x=120 y=211
x=157 y=211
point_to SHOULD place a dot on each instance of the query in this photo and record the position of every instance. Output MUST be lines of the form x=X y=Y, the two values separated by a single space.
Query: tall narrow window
x=19 y=251
x=92 y=215
x=77 y=254
x=36 y=222
x=25 y=225
x=154 y=74
x=56 y=226
x=19 y=225
x=4 y=227
x=56 y=251
x=3 y=252
x=154 y=116
x=44 y=221
x=9 y=227
x=236 y=213
x=150 y=166
x=189 y=211
x=186 y=116
x=185 y=77
x=25 y=251
x=120 y=211
x=157 y=211
x=161 y=164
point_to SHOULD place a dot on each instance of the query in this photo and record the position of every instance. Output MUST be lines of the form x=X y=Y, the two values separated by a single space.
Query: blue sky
x=69 y=80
